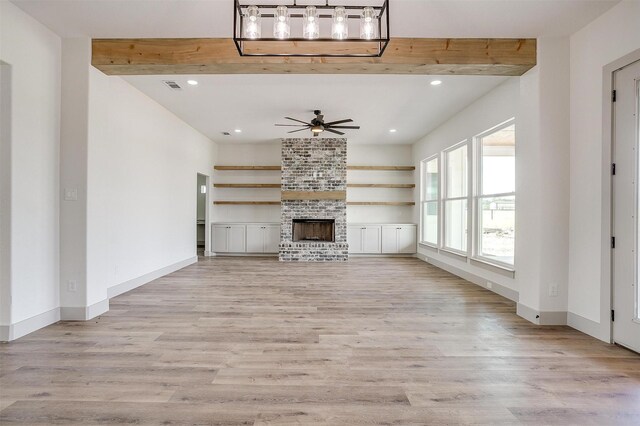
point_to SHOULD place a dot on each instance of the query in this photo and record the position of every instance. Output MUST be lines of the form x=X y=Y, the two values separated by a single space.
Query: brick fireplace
x=314 y=208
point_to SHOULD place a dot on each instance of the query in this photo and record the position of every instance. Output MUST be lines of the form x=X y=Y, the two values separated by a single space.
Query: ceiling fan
x=317 y=125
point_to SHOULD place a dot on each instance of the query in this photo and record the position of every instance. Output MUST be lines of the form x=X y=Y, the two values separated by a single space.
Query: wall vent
x=172 y=85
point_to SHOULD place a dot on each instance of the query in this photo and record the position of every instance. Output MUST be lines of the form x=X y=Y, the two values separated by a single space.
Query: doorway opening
x=202 y=192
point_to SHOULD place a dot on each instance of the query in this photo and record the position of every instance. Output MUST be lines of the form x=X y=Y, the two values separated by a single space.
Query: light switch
x=71 y=194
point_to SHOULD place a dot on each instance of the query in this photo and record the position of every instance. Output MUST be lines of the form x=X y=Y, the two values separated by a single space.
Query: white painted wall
x=493 y=108
x=142 y=171
x=542 y=183
x=380 y=155
x=261 y=154
x=611 y=36
x=33 y=54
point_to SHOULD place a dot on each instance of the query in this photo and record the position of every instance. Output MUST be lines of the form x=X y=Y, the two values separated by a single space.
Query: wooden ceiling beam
x=502 y=57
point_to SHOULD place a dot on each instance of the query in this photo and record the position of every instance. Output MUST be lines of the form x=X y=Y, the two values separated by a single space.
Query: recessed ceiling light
x=195 y=83
x=436 y=82
x=392 y=130
x=238 y=130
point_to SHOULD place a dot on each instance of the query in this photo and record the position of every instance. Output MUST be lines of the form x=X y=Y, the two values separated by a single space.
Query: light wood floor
x=254 y=341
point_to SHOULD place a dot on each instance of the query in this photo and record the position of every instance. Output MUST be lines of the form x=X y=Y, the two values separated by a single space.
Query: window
x=430 y=201
x=455 y=198
x=495 y=198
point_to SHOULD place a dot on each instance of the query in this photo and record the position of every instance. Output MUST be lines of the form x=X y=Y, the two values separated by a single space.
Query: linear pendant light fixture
x=320 y=30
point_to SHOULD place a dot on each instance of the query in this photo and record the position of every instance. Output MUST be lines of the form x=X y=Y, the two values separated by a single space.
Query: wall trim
x=496 y=288
x=126 y=286
x=541 y=317
x=83 y=313
x=29 y=325
x=587 y=326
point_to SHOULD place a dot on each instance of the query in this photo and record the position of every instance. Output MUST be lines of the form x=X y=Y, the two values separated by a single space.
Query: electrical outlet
x=553 y=290
x=489 y=284
x=71 y=194
x=72 y=286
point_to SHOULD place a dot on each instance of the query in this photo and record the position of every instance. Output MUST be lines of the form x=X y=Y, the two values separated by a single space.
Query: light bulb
x=310 y=27
x=281 y=27
x=368 y=27
x=252 y=26
x=340 y=24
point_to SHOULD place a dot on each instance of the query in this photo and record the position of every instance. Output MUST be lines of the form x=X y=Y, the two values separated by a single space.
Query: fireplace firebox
x=312 y=230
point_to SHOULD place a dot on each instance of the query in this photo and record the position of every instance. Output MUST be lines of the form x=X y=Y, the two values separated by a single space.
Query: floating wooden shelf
x=251 y=203
x=381 y=185
x=246 y=185
x=246 y=167
x=381 y=203
x=387 y=168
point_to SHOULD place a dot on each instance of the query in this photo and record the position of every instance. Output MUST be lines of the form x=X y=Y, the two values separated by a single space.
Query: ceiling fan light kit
x=318 y=125
x=320 y=30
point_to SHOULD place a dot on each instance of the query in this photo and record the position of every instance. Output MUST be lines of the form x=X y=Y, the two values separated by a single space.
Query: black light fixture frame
x=381 y=42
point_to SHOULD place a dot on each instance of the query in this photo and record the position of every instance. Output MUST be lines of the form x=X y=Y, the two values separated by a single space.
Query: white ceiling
x=377 y=103
x=409 y=18
x=254 y=103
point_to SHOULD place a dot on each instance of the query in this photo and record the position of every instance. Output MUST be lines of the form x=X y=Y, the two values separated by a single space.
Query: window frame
x=444 y=198
x=478 y=196
x=424 y=201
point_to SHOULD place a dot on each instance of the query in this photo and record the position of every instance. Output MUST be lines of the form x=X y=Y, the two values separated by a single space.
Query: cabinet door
x=271 y=238
x=354 y=238
x=237 y=239
x=406 y=238
x=255 y=239
x=389 y=239
x=220 y=234
x=371 y=239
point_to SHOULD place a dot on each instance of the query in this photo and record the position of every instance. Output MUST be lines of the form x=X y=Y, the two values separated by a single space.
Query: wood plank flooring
x=372 y=341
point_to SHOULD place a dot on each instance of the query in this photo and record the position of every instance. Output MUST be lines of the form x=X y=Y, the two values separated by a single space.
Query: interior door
x=626 y=324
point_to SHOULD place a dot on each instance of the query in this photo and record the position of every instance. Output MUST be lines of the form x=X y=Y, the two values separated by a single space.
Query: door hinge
x=613 y=315
x=613 y=169
x=613 y=242
x=613 y=96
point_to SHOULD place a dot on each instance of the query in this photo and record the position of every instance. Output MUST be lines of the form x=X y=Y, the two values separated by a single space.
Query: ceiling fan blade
x=348 y=120
x=299 y=130
x=291 y=125
x=344 y=127
x=333 y=131
x=299 y=121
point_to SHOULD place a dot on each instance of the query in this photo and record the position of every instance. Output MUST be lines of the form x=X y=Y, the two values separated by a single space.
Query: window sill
x=500 y=269
x=428 y=246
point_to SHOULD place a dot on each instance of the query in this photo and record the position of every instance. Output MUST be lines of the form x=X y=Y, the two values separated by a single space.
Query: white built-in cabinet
x=363 y=238
x=263 y=238
x=246 y=238
x=398 y=239
x=381 y=238
x=229 y=238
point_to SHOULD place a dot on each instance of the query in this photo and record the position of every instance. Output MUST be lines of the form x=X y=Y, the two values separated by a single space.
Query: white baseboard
x=29 y=325
x=126 y=286
x=496 y=288
x=382 y=255
x=84 y=313
x=541 y=317
x=587 y=326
